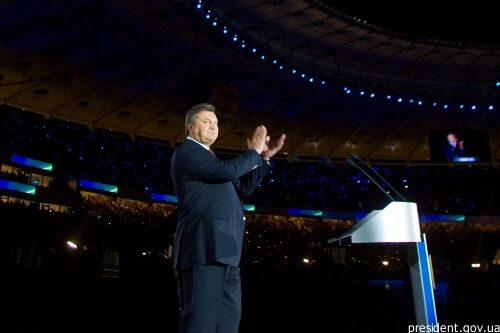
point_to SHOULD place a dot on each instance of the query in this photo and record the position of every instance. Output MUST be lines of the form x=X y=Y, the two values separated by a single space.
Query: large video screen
x=459 y=146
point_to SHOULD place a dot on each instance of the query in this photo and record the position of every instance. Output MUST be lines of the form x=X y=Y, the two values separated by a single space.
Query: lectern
x=398 y=223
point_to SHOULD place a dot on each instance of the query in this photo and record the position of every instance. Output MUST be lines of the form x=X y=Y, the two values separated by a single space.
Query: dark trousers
x=210 y=297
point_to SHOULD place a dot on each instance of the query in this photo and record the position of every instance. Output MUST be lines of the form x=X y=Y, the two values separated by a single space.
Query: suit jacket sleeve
x=247 y=183
x=198 y=164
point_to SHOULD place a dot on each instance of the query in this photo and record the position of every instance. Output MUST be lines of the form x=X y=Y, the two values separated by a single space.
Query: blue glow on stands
x=248 y=208
x=304 y=212
x=356 y=216
x=444 y=218
x=31 y=162
x=164 y=197
x=98 y=186
x=18 y=187
x=359 y=215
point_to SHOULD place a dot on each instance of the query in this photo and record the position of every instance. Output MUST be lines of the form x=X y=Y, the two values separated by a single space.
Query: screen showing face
x=459 y=146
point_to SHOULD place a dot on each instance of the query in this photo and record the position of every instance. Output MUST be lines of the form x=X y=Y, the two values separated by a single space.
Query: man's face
x=204 y=128
x=452 y=139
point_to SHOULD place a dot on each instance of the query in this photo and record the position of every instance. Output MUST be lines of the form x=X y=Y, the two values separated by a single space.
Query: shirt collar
x=198 y=142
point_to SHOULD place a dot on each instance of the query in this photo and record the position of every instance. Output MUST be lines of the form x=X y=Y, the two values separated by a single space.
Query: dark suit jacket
x=211 y=223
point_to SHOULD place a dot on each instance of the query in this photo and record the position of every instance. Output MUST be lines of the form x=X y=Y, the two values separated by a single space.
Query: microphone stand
x=375 y=172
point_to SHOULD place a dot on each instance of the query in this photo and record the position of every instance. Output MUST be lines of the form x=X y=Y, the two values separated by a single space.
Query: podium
x=398 y=222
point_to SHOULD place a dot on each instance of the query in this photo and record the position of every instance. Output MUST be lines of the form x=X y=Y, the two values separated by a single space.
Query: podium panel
x=398 y=222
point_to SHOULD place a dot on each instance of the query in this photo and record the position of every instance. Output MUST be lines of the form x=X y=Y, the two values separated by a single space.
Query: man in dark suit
x=454 y=148
x=209 y=235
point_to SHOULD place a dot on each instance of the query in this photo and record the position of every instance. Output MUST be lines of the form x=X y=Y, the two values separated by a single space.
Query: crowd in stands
x=144 y=165
x=287 y=265
x=16 y=177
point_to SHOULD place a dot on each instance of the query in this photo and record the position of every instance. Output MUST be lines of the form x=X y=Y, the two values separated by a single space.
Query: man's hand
x=273 y=146
x=258 y=139
x=461 y=145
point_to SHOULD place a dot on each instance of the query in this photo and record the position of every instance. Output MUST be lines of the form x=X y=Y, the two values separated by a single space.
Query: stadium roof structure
x=333 y=82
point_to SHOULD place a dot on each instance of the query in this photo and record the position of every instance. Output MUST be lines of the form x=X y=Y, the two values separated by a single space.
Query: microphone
x=351 y=162
x=349 y=159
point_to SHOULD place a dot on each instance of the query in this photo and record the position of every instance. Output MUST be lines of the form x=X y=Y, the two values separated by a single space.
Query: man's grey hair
x=191 y=114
